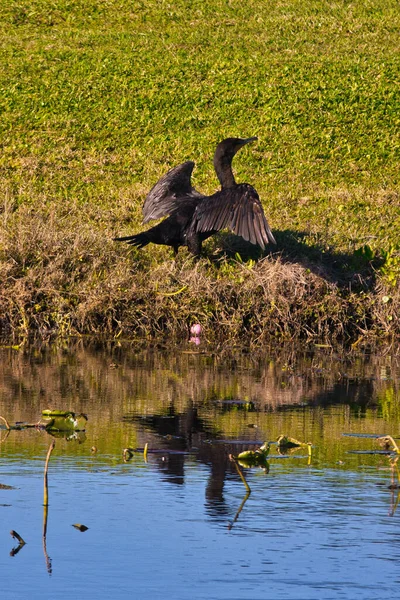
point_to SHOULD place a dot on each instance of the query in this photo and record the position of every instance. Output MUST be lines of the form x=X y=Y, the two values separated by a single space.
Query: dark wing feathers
x=234 y=219
x=252 y=231
x=242 y=222
x=259 y=228
x=238 y=209
x=224 y=216
x=164 y=197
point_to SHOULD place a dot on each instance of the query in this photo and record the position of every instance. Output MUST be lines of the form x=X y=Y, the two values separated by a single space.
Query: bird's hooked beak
x=245 y=141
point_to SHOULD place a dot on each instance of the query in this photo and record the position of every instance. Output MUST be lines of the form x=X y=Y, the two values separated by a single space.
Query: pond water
x=178 y=522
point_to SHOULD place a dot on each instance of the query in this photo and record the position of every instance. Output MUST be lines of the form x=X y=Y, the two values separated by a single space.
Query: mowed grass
x=98 y=98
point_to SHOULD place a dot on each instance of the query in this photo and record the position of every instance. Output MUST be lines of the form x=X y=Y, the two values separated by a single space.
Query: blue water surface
x=311 y=528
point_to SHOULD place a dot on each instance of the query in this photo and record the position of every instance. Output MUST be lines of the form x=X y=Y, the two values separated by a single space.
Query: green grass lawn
x=98 y=98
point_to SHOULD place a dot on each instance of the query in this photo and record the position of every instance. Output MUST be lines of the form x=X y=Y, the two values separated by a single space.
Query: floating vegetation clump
x=58 y=420
x=254 y=458
x=58 y=423
x=287 y=444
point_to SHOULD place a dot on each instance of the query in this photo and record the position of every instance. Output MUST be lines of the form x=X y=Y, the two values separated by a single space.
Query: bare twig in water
x=246 y=485
x=47 y=558
x=6 y=423
x=127 y=454
x=388 y=443
x=17 y=537
x=46 y=508
x=7 y=433
x=239 y=510
x=21 y=543
x=394 y=486
x=80 y=527
x=46 y=467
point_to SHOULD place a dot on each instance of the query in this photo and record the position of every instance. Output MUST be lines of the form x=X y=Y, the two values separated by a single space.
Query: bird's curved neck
x=223 y=169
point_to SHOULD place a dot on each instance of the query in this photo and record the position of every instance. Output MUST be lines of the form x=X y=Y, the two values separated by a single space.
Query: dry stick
x=21 y=543
x=46 y=466
x=395 y=465
x=18 y=537
x=21 y=427
x=395 y=446
x=394 y=503
x=394 y=487
x=239 y=510
x=388 y=439
x=8 y=428
x=46 y=556
x=246 y=485
x=5 y=422
x=7 y=433
x=46 y=507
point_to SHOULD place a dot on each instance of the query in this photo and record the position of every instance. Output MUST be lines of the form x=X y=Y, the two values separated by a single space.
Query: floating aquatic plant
x=255 y=458
x=52 y=421
x=286 y=443
x=58 y=420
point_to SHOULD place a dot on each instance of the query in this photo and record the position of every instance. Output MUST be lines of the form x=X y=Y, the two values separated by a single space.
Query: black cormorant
x=194 y=217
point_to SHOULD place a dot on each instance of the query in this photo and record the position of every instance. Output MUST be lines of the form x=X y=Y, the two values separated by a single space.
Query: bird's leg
x=193 y=242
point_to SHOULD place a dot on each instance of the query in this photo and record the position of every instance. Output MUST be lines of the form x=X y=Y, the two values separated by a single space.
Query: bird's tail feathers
x=140 y=239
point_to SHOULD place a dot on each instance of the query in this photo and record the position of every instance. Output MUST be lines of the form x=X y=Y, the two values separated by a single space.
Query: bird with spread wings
x=192 y=217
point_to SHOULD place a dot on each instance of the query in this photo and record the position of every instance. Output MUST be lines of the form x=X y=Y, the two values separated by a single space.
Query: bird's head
x=228 y=148
x=225 y=152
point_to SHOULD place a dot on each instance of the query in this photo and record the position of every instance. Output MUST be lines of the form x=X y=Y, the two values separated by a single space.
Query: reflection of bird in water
x=194 y=217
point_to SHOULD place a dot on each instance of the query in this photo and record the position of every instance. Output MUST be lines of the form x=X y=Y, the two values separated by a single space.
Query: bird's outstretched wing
x=167 y=193
x=238 y=209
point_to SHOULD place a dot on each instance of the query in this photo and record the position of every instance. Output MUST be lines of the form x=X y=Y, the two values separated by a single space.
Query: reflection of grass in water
x=389 y=402
x=289 y=395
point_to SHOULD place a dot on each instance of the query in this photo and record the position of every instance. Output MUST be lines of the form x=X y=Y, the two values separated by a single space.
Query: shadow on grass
x=344 y=269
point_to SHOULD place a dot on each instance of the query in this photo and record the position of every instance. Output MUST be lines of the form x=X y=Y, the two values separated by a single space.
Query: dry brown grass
x=62 y=275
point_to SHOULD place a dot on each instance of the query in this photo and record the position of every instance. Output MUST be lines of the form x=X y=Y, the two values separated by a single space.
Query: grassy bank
x=98 y=99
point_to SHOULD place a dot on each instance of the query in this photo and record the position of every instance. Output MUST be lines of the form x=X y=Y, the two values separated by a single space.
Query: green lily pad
x=254 y=458
x=57 y=420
